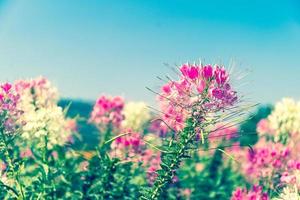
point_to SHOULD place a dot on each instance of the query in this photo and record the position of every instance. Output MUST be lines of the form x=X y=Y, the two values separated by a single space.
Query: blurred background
x=88 y=48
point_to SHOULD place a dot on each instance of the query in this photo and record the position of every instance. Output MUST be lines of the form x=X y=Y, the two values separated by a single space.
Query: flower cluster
x=256 y=193
x=267 y=161
x=291 y=176
x=9 y=111
x=285 y=119
x=107 y=111
x=288 y=193
x=291 y=182
x=199 y=88
x=263 y=127
x=132 y=147
x=44 y=119
x=136 y=115
x=128 y=147
x=36 y=93
x=151 y=161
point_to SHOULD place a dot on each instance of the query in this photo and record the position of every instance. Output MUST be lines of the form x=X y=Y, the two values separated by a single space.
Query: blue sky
x=119 y=47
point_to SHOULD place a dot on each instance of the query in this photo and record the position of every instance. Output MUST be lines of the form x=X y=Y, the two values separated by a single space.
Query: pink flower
x=205 y=89
x=263 y=127
x=256 y=193
x=269 y=161
x=27 y=153
x=201 y=86
x=9 y=111
x=108 y=111
x=221 y=75
x=6 y=87
x=193 y=72
x=128 y=147
x=207 y=72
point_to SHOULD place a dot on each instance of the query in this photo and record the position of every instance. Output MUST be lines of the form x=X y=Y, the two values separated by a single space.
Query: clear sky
x=119 y=47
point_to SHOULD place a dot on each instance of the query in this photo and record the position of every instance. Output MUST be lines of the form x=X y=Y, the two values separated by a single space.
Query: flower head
x=285 y=120
x=256 y=193
x=42 y=116
x=136 y=115
x=200 y=89
x=108 y=111
x=9 y=111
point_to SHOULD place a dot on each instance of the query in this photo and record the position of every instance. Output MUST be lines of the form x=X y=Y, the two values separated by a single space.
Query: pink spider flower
x=256 y=193
x=151 y=161
x=107 y=111
x=200 y=89
x=9 y=112
x=128 y=147
x=263 y=127
x=266 y=162
x=38 y=91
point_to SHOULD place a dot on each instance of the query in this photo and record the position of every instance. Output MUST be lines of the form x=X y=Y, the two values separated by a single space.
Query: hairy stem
x=173 y=160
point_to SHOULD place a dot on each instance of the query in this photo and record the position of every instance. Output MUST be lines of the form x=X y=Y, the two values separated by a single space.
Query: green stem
x=9 y=160
x=166 y=175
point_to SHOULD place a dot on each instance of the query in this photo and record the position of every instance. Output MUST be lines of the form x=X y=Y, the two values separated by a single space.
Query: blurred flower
x=128 y=147
x=27 y=153
x=285 y=119
x=9 y=112
x=151 y=162
x=263 y=127
x=136 y=115
x=36 y=93
x=289 y=193
x=256 y=193
x=267 y=162
x=108 y=111
x=43 y=118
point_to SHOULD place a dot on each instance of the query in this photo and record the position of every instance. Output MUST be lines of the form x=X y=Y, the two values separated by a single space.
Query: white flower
x=285 y=119
x=42 y=116
x=136 y=115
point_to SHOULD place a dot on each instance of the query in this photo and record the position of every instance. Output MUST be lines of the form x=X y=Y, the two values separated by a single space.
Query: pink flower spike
x=193 y=73
x=221 y=75
x=166 y=89
x=207 y=72
x=184 y=69
x=6 y=87
x=201 y=86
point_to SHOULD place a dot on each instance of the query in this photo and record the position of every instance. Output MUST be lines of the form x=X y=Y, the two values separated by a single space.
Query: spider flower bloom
x=136 y=115
x=285 y=120
x=151 y=161
x=263 y=127
x=107 y=111
x=256 y=193
x=289 y=193
x=266 y=162
x=37 y=93
x=128 y=147
x=38 y=101
x=190 y=106
x=200 y=89
x=9 y=111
